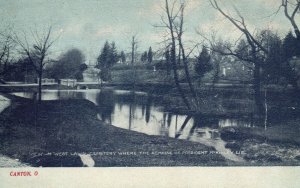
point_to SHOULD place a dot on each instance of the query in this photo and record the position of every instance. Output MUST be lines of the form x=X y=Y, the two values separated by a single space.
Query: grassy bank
x=67 y=128
x=278 y=144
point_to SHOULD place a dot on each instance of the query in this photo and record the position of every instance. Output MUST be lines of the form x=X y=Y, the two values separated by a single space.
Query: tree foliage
x=69 y=65
x=6 y=47
x=144 y=57
x=243 y=49
x=290 y=46
x=203 y=64
x=291 y=49
x=37 y=53
x=150 y=55
x=123 y=57
x=107 y=58
x=21 y=70
x=273 y=63
x=168 y=61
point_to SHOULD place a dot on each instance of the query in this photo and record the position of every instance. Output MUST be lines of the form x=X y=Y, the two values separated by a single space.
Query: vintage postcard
x=149 y=83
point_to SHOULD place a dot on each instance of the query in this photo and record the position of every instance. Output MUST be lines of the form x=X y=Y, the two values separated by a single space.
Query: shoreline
x=77 y=121
x=78 y=130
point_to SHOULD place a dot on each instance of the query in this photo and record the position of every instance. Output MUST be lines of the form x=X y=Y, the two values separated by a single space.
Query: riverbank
x=68 y=129
x=278 y=144
x=74 y=127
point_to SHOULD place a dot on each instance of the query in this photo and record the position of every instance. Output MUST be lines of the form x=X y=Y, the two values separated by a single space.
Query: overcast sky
x=86 y=24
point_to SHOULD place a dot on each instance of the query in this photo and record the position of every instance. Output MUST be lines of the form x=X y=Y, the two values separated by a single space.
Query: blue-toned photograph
x=149 y=83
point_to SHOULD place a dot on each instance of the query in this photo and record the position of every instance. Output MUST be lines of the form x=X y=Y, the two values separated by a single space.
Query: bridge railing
x=68 y=82
x=47 y=81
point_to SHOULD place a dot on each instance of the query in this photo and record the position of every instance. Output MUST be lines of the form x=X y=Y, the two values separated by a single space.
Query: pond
x=140 y=112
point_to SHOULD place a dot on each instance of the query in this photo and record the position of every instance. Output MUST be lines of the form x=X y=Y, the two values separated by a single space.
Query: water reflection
x=205 y=131
x=4 y=103
x=137 y=111
x=106 y=104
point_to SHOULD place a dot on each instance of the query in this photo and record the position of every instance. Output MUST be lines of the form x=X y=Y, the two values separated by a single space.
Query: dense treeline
x=69 y=65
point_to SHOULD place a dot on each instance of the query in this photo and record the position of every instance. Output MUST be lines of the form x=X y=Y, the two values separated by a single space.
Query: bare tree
x=6 y=47
x=36 y=53
x=179 y=31
x=291 y=7
x=133 y=49
x=170 y=24
x=174 y=25
x=134 y=45
x=256 y=48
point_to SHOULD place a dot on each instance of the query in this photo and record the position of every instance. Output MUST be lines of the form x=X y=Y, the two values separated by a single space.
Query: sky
x=87 y=24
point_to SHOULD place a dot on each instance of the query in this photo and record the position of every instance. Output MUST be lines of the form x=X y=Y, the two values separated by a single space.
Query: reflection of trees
x=133 y=100
x=148 y=108
x=143 y=110
x=187 y=119
x=170 y=119
x=106 y=103
x=164 y=119
x=70 y=95
x=127 y=98
x=107 y=99
x=166 y=123
x=199 y=121
x=132 y=109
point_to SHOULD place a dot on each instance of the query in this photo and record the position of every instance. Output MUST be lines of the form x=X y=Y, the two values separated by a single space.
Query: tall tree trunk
x=173 y=58
x=5 y=66
x=179 y=57
x=132 y=50
x=176 y=79
x=168 y=68
x=187 y=74
x=216 y=74
x=257 y=89
x=184 y=58
x=40 y=87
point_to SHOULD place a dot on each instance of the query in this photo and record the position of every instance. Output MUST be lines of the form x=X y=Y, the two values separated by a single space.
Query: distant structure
x=91 y=74
x=235 y=70
x=46 y=81
x=68 y=82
